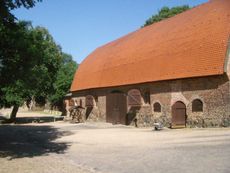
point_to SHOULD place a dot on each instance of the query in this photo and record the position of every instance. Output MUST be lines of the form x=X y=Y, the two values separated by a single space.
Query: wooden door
x=179 y=115
x=116 y=108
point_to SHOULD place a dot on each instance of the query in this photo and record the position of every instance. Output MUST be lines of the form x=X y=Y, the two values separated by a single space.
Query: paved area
x=103 y=148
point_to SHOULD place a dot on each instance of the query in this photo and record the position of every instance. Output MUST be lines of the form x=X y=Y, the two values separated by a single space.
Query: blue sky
x=80 y=26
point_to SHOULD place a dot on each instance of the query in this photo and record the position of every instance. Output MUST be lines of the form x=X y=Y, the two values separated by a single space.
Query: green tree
x=63 y=81
x=30 y=60
x=6 y=17
x=165 y=13
x=32 y=66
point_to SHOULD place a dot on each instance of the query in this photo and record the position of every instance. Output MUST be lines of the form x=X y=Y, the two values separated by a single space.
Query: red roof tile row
x=191 y=44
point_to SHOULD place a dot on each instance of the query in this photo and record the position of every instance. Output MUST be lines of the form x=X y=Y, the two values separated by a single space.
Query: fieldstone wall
x=213 y=91
x=95 y=113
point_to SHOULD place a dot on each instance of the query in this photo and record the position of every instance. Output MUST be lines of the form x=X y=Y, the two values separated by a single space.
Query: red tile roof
x=191 y=44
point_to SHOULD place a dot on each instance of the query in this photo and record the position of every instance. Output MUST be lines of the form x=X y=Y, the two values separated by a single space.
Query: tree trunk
x=32 y=103
x=14 y=113
x=64 y=111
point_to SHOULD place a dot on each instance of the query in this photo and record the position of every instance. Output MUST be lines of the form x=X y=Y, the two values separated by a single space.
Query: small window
x=157 y=107
x=81 y=103
x=96 y=99
x=71 y=102
x=89 y=101
x=147 y=97
x=134 y=98
x=197 y=106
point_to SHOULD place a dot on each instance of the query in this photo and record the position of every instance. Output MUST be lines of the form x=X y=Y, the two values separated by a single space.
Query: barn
x=175 y=72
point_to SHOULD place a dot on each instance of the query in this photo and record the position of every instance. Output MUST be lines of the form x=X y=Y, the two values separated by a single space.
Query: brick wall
x=213 y=91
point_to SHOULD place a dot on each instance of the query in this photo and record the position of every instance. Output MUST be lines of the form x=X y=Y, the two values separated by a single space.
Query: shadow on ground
x=37 y=119
x=18 y=141
x=2 y=117
x=40 y=119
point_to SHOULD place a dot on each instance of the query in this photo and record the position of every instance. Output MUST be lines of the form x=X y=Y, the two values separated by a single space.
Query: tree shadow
x=28 y=120
x=2 y=117
x=19 y=141
x=38 y=119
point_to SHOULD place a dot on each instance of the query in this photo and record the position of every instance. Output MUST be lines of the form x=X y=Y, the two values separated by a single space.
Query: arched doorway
x=116 y=108
x=179 y=115
x=134 y=103
x=89 y=104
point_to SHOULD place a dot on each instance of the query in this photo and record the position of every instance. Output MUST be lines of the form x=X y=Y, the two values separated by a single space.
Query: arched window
x=157 y=107
x=197 y=105
x=134 y=98
x=89 y=101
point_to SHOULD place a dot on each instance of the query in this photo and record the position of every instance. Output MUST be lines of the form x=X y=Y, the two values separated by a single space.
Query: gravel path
x=102 y=148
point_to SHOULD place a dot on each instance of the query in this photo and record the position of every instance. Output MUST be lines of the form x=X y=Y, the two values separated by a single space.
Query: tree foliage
x=165 y=13
x=32 y=65
x=30 y=61
x=63 y=81
x=6 y=17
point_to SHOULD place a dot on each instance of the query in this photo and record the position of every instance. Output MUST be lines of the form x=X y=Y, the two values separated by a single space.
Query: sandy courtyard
x=98 y=147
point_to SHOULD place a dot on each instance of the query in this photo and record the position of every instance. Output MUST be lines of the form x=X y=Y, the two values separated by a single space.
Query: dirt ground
x=99 y=147
x=61 y=147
